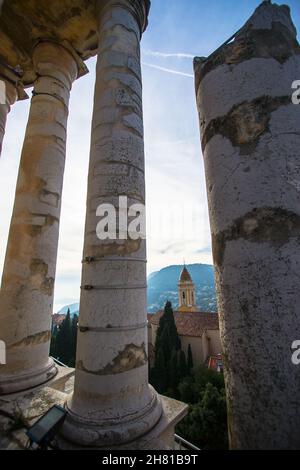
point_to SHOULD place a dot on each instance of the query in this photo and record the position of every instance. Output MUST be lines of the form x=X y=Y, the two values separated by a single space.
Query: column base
x=18 y=383
x=82 y=431
x=159 y=437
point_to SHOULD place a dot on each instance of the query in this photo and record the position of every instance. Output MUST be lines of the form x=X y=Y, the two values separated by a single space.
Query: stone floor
x=18 y=412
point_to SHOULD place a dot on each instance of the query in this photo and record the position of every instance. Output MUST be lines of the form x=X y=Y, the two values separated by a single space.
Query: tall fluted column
x=26 y=296
x=112 y=401
x=251 y=140
x=10 y=91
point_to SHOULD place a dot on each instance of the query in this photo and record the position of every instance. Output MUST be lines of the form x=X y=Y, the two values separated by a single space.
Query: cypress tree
x=182 y=366
x=64 y=340
x=160 y=371
x=165 y=374
x=173 y=370
x=53 y=347
x=190 y=362
x=167 y=337
x=73 y=340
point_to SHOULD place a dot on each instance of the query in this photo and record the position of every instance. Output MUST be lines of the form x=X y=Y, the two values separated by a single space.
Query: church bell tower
x=186 y=292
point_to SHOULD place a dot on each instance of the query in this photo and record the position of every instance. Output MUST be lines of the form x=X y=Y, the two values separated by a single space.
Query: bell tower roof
x=185 y=275
x=186 y=292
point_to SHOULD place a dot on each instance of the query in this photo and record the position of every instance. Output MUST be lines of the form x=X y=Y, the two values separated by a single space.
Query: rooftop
x=190 y=324
x=185 y=276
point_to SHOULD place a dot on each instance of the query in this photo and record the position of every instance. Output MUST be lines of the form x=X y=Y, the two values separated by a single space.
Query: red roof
x=57 y=318
x=185 y=276
x=149 y=316
x=191 y=323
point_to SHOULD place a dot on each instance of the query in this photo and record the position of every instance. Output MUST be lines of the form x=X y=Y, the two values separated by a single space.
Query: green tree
x=167 y=337
x=167 y=341
x=173 y=370
x=182 y=365
x=63 y=341
x=190 y=362
x=53 y=341
x=188 y=390
x=74 y=323
x=206 y=424
x=203 y=375
x=159 y=375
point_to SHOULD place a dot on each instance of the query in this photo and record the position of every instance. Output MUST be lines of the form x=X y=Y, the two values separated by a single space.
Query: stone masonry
x=250 y=133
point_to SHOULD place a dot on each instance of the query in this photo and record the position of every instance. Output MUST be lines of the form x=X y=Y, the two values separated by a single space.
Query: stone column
x=10 y=90
x=26 y=296
x=250 y=141
x=112 y=402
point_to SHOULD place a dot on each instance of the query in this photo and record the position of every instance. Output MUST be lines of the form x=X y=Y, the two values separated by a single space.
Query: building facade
x=198 y=329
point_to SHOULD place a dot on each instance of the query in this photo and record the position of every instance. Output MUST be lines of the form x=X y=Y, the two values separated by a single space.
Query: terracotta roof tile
x=57 y=318
x=185 y=275
x=191 y=324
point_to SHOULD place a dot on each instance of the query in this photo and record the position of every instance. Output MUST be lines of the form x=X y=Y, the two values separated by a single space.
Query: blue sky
x=177 y=218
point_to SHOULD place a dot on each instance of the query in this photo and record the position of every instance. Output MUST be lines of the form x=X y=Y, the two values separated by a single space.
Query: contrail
x=163 y=69
x=166 y=55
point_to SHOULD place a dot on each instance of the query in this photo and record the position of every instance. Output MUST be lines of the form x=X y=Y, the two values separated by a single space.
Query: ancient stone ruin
x=250 y=132
x=250 y=140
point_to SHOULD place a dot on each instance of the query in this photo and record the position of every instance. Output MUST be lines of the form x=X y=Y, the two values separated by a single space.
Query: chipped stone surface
x=251 y=145
x=20 y=411
x=73 y=21
x=26 y=297
x=129 y=358
x=160 y=437
x=11 y=96
x=245 y=123
x=274 y=79
x=112 y=402
x=276 y=39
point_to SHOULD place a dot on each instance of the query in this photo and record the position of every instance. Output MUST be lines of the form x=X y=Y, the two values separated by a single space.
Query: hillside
x=162 y=286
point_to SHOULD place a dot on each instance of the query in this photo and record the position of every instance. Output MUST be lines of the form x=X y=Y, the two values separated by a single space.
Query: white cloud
x=166 y=55
x=164 y=69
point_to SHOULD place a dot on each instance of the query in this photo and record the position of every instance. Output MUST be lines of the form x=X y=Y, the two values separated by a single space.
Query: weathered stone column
x=26 y=296
x=10 y=90
x=112 y=402
x=10 y=95
x=251 y=138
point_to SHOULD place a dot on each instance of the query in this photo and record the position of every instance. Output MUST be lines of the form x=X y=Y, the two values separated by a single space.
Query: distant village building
x=57 y=319
x=198 y=329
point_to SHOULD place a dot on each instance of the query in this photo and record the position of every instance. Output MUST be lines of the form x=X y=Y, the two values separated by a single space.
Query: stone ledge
x=57 y=382
x=19 y=411
x=161 y=437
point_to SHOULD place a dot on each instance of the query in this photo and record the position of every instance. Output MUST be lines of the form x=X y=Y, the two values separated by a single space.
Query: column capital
x=13 y=81
x=60 y=54
x=139 y=9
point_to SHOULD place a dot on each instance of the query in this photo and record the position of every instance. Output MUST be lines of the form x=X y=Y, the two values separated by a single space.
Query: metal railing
x=58 y=362
x=183 y=444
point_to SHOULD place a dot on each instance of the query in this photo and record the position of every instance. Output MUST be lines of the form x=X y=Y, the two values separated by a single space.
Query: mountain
x=162 y=286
